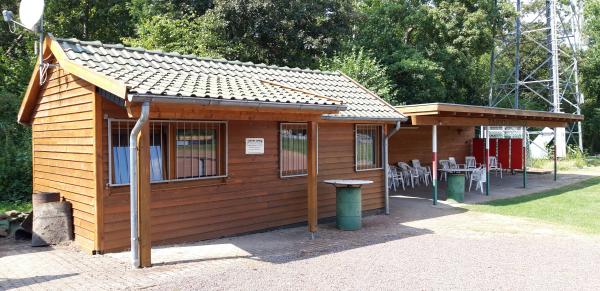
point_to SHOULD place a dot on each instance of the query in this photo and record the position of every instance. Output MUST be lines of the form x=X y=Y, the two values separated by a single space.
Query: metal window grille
x=293 y=149
x=200 y=149
x=368 y=147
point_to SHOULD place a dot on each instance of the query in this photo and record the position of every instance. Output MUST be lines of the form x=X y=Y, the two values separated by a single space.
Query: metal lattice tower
x=534 y=62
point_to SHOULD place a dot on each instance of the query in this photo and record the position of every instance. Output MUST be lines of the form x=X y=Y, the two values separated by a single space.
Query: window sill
x=292 y=176
x=174 y=181
x=366 y=170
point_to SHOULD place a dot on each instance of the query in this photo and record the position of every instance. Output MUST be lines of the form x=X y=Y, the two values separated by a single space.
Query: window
x=178 y=150
x=200 y=150
x=368 y=147
x=293 y=149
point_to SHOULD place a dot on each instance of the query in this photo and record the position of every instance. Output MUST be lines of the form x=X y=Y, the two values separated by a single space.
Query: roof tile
x=171 y=74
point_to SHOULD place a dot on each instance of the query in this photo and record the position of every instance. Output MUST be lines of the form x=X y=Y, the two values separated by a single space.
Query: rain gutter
x=133 y=182
x=238 y=103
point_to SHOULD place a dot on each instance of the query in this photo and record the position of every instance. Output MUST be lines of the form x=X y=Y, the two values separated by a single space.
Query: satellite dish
x=30 y=12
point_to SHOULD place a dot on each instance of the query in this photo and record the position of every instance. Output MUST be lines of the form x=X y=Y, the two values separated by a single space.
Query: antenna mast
x=534 y=62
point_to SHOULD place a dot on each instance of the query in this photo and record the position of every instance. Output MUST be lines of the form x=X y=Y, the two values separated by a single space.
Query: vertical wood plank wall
x=63 y=148
x=254 y=197
x=409 y=144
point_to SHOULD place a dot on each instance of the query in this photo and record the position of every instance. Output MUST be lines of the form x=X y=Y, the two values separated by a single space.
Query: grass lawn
x=576 y=206
x=20 y=206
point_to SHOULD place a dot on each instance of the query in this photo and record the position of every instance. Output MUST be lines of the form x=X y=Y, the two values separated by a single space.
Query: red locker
x=516 y=150
x=478 y=150
x=504 y=153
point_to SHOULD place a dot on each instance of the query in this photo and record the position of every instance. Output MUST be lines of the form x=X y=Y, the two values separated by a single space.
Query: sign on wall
x=255 y=146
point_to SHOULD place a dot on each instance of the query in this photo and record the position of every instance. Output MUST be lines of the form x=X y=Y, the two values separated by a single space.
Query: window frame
x=170 y=143
x=281 y=124
x=381 y=136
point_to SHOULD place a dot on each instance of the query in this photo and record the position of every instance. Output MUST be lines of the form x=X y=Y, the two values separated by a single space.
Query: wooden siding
x=415 y=143
x=63 y=148
x=252 y=198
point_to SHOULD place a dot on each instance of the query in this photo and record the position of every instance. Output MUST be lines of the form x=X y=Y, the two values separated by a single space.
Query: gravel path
x=418 y=246
x=452 y=250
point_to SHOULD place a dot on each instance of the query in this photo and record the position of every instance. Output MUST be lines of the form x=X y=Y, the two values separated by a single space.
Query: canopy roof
x=446 y=114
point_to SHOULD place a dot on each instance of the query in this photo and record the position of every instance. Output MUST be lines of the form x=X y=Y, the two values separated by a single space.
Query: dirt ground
x=418 y=246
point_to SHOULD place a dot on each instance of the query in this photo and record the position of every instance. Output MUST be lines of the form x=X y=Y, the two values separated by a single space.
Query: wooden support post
x=99 y=174
x=144 y=196
x=312 y=176
x=434 y=162
x=525 y=157
x=487 y=160
x=555 y=156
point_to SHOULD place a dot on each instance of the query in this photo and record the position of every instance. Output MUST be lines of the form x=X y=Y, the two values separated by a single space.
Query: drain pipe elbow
x=386 y=166
x=133 y=183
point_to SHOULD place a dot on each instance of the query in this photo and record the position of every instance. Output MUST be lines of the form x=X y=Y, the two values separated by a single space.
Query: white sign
x=255 y=146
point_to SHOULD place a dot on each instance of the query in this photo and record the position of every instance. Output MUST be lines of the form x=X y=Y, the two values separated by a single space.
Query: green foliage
x=590 y=72
x=106 y=20
x=15 y=141
x=432 y=51
x=575 y=154
x=23 y=206
x=290 y=33
x=363 y=68
x=575 y=159
x=146 y=9
x=183 y=35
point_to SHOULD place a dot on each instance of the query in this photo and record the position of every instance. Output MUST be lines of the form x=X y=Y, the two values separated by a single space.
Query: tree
x=433 y=51
x=281 y=32
x=98 y=20
x=189 y=35
x=363 y=68
x=106 y=20
x=590 y=72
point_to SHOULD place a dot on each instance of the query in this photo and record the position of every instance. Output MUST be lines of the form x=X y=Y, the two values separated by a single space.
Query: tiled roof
x=172 y=74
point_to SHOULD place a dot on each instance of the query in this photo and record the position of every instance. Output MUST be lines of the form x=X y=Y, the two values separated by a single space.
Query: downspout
x=133 y=182
x=387 y=166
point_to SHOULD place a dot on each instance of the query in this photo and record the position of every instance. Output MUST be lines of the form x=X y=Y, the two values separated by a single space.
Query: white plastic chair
x=411 y=174
x=398 y=176
x=392 y=182
x=452 y=163
x=444 y=165
x=427 y=175
x=470 y=163
x=478 y=176
x=403 y=171
x=495 y=166
x=424 y=173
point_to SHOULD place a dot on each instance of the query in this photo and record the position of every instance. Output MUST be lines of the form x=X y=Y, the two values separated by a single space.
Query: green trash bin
x=348 y=208
x=456 y=187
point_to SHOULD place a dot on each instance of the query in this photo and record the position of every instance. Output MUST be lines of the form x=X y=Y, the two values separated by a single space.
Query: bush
x=15 y=139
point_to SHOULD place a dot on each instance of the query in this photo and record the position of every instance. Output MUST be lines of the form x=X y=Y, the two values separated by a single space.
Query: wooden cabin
x=229 y=148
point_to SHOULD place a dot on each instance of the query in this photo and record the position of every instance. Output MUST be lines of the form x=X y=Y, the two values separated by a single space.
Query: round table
x=348 y=203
